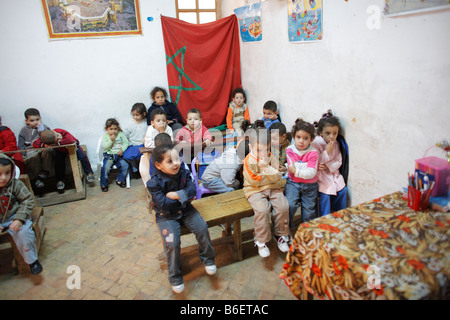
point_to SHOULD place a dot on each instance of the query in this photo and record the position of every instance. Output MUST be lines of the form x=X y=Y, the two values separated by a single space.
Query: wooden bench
x=77 y=173
x=38 y=219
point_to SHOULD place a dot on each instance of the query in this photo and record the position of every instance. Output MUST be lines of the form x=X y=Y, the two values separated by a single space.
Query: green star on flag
x=181 y=74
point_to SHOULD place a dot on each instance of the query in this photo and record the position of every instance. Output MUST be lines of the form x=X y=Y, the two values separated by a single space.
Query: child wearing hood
x=16 y=206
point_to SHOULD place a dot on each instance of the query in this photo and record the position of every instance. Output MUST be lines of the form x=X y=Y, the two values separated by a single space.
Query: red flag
x=203 y=65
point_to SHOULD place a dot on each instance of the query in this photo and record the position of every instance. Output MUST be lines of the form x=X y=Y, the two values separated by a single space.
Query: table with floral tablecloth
x=380 y=249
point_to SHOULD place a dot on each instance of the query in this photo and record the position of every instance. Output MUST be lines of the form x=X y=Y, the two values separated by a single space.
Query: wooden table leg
x=75 y=169
x=237 y=239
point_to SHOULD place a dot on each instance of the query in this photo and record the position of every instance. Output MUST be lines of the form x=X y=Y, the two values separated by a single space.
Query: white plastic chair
x=100 y=162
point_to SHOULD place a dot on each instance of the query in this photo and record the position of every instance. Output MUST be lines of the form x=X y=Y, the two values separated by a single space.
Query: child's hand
x=323 y=167
x=263 y=164
x=291 y=168
x=282 y=169
x=16 y=225
x=113 y=137
x=120 y=153
x=207 y=142
x=173 y=195
x=330 y=147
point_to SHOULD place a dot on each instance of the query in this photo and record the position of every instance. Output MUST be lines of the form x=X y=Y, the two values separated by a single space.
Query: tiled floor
x=114 y=241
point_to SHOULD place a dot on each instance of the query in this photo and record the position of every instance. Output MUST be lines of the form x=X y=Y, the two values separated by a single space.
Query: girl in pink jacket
x=332 y=188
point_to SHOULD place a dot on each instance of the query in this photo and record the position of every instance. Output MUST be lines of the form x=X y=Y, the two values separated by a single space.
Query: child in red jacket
x=8 y=142
x=58 y=137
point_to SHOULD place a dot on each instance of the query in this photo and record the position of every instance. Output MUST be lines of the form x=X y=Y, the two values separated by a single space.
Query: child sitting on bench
x=16 y=206
x=172 y=189
x=60 y=137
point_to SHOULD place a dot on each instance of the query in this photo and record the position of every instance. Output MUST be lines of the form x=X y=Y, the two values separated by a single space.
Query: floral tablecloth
x=377 y=250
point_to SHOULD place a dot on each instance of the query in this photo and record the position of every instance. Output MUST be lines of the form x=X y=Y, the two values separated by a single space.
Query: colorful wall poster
x=401 y=7
x=69 y=19
x=304 y=20
x=249 y=18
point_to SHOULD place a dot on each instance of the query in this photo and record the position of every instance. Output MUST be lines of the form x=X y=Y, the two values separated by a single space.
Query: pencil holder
x=418 y=200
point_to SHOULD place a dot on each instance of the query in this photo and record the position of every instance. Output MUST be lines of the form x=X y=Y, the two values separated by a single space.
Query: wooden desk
x=332 y=257
x=77 y=173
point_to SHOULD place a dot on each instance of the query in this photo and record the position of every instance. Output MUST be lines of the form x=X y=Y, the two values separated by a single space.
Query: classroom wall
x=389 y=86
x=77 y=84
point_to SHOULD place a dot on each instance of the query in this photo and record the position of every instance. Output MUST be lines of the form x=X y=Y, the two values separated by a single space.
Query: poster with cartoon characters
x=304 y=20
x=249 y=18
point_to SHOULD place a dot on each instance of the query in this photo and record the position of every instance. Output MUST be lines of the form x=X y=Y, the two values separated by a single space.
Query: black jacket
x=160 y=184
x=345 y=158
x=170 y=109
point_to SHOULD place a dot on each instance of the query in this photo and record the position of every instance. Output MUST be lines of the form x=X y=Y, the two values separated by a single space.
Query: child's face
x=239 y=99
x=260 y=150
x=33 y=121
x=112 y=130
x=302 y=139
x=330 y=133
x=277 y=139
x=159 y=122
x=5 y=175
x=138 y=117
x=269 y=114
x=193 y=120
x=170 y=164
x=159 y=98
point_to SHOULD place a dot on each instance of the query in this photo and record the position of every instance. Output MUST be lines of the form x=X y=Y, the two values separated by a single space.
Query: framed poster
x=402 y=7
x=249 y=18
x=69 y=19
x=304 y=20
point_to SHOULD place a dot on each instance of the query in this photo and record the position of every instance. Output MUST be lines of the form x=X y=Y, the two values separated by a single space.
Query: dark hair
x=31 y=112
x=239 y=90
x=156 y=112
x=194 y=110
x=110 y=122
x=278 y=126
x=159 y=152
x=140 y=108
x=47 y=136
x=301 y=125
x=162 y=138
x=5 y=162
x=246 y=124
x=327 y=120
x=259 y=135
x=270 y=105
x=157 y=89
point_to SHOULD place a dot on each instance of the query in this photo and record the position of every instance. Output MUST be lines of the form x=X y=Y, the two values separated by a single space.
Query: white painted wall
x=77 y=84
x=389 y=87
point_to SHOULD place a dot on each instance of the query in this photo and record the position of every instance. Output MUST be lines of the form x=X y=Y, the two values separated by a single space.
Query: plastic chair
x=202 y=160
x=100 y=162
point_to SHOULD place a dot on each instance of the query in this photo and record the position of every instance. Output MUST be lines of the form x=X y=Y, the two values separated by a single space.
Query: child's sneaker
x=60 y=185
x=90 y=177
x=39 y=184
x=35 y=267
x=211 y=270
x=121 y=184
x=179 y=288
x=263 y=250
x=282 y=242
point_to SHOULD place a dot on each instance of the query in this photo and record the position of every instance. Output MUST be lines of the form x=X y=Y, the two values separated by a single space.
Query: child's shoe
x=60 y=185
x=179 y=288
x=121 y=184
x=35 y=267
x=104 y=188
x=211 y=270
x=282 y=242
x=90 y=177
x=43 y=175
x=263 y=250
x=39 y=184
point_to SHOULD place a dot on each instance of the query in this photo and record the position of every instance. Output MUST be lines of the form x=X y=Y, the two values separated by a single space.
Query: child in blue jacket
x=172 y=189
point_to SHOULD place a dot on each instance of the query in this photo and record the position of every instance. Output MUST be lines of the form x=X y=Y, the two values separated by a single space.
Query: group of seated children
x=311 y=164
x=278 y=171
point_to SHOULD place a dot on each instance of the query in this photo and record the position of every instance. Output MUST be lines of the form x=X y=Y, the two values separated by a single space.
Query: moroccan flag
x=203 y=65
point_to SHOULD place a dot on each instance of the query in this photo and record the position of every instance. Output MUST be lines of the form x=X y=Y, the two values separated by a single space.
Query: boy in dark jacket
x=159 y=97
x=172 y=189
x=16 y=206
